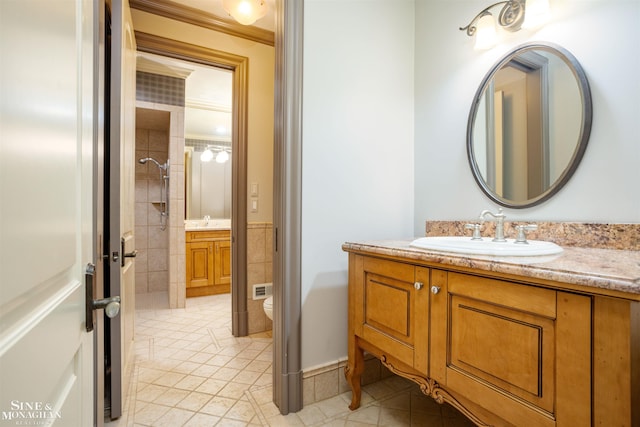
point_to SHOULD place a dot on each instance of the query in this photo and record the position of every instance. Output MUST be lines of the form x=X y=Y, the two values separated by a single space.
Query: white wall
x=602 y=35
x=357 y=151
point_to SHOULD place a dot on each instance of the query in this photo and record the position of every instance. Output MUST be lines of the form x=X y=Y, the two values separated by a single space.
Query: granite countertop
x=602 y=271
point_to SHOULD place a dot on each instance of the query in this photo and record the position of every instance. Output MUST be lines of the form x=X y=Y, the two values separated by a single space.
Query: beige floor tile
x=150 y=392
x=171 y=397
x=242 y=411
x=150 y=413
x=186 y=367
x=390 y=417
x=225 y=373
x=190 y=382
x=333 y=407
x=211 y=386
x=169 y=379
x=202 y=420
x=173 y=417
x=233 y=390
x=247 y=377
x=367 y=415
x=218 y=406
x=311 y=415
x=194 y=400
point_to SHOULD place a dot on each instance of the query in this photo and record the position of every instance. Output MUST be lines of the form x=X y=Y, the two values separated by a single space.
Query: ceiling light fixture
x=206 y=155
x=245 y=12
x=511 y=17
x=222 y=156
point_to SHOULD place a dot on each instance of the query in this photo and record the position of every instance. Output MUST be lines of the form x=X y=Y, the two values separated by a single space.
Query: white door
x=46 y=226
x=121 y=282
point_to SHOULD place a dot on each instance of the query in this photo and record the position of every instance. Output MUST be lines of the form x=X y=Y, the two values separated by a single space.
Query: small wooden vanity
x=208 y=263
x=555 y=343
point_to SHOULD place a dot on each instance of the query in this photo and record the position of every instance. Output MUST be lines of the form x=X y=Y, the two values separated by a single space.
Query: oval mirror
x=529 y=125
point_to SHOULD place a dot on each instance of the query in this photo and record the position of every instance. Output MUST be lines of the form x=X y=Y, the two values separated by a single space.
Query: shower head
x=146 y=159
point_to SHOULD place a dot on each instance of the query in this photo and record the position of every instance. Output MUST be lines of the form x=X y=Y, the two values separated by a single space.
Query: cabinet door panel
x=392 y=314
x=223 y=263
x=511 y=350
x=388 y=306
x=199 y=264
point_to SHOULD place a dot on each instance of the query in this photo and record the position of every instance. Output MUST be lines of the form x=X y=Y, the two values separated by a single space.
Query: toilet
x=267 y=305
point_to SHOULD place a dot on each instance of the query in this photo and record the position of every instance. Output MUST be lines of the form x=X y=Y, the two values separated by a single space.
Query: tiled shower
x=152 y=241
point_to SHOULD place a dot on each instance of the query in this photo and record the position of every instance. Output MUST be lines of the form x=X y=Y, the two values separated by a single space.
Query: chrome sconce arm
x=510 y=18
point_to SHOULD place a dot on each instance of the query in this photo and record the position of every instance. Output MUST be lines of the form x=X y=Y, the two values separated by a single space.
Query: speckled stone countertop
x=612 y=272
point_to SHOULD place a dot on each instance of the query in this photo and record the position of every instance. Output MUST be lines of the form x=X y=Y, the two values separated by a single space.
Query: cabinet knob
x=435 y=290
x=418 y=285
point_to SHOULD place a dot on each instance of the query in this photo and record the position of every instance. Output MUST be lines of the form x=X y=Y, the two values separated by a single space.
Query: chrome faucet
x=499 y=219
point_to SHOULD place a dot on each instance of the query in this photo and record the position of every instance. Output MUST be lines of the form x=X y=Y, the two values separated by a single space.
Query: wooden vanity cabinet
x=502 y=352
x=208 y=262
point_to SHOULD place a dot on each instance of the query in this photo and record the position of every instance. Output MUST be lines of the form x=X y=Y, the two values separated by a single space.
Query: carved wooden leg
x=353 y=372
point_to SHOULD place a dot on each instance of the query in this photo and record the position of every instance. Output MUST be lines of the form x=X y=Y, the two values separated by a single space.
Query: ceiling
x=215 y=7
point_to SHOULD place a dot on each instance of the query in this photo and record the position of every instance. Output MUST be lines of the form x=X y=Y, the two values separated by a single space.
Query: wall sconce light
x=513 y=15
x=245 y=12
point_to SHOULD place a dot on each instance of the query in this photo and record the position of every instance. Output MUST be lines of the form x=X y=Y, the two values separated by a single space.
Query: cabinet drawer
x=195 y=236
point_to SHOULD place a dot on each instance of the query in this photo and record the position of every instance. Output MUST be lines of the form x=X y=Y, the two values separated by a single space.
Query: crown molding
x=151 y=65
x=206 y=105
x=200 y=18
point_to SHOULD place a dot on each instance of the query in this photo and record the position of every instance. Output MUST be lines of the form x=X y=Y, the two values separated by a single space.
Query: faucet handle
x=476 y=231
x=522 y=233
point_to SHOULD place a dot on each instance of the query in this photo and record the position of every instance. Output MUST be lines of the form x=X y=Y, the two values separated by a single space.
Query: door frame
x=157 y=45
x=287 y=203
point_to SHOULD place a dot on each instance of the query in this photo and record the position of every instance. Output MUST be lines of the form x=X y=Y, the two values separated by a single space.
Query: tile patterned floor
x=190 y=371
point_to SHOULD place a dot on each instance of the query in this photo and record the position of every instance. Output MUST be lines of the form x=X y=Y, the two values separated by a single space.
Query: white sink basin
x=464 y=245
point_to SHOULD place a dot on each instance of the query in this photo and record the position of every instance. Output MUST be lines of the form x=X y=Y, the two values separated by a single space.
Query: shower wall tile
x=141 y=189
x=153 y=215
x=158 y=281
x=142 y=139
x=158 y=238
x=172 y=148
x=154 y=190
x=158 y=141
x=157 y=260
x=141 y=213
x=142 y=286
x=142 y=237
x=141 y=261
x=151 y=242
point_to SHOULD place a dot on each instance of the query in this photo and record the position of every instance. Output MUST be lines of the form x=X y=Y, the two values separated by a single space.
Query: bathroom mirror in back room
x=208 y=127
x=529 y=125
